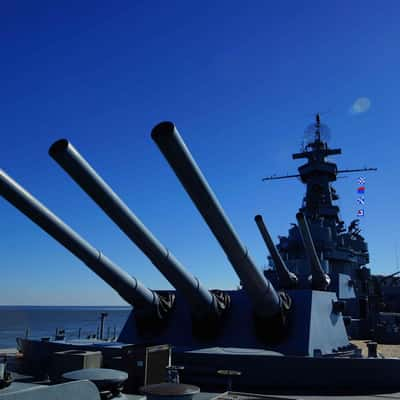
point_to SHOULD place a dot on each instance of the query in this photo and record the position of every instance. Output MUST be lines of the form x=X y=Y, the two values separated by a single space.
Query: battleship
x=280 y=332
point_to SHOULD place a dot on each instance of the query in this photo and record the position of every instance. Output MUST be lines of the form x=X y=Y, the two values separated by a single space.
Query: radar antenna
x=316 y=132
x=315 y=137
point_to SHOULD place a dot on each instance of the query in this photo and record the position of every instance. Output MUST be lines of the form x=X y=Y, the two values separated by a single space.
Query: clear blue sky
x=241 y=80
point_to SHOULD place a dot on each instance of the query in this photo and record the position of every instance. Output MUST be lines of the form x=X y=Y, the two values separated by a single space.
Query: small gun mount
x=287 y=279
x=320 y=280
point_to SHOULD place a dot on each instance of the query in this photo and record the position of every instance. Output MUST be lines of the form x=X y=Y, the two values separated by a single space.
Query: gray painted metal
x=68 y=157
x=169 y=391
x=105 y=379
x=102 y=375
x=129 y=288
x=345 y=287
x=287 y=279
x=320 y=280
x=312 y=325
x=265 y=300
x=80 y=390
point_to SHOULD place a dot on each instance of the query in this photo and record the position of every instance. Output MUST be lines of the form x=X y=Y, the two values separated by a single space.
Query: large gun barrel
x=201 y=300
x=287 y=279
x=320 y=280
x=130 y=289
x=265 y=299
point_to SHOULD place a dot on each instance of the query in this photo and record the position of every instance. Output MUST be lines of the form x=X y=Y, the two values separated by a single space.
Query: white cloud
x=361 y=105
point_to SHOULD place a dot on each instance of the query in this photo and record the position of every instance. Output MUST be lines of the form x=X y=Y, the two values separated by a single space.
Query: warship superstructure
x=290 y=337
x=343 y=253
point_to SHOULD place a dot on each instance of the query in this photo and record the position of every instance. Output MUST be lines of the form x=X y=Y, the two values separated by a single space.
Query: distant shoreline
x=30 y=307
x=43 y=321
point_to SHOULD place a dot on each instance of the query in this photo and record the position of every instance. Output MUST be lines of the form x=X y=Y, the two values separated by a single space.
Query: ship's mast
x=318 y=174
x=339 y=251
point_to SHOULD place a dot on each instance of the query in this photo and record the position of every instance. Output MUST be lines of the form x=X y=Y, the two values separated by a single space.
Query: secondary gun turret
x=320 y=280
x=266 y=301
x=204 y=304
x=148 y=303
x=287 y=279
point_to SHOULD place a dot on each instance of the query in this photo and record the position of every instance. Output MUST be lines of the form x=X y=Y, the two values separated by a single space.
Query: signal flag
x=361 y=190
x=361 y=200
x=361 y=180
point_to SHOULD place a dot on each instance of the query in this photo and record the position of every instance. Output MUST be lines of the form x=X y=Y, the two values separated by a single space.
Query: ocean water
x=44 y=320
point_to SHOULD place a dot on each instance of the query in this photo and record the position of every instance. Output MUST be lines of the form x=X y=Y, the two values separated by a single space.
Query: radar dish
x=316 y=131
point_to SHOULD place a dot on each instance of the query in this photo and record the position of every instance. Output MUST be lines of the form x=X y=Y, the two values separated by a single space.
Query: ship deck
x=14 y=357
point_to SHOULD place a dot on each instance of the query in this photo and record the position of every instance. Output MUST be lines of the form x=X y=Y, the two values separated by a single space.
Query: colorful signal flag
x=361 y=200
x=361 y=190
x=360 y=213
x=361 y=180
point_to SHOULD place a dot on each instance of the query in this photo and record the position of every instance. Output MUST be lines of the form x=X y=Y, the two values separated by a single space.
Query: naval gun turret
x=266 y=301
x=263 y=315
x=206 y=307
